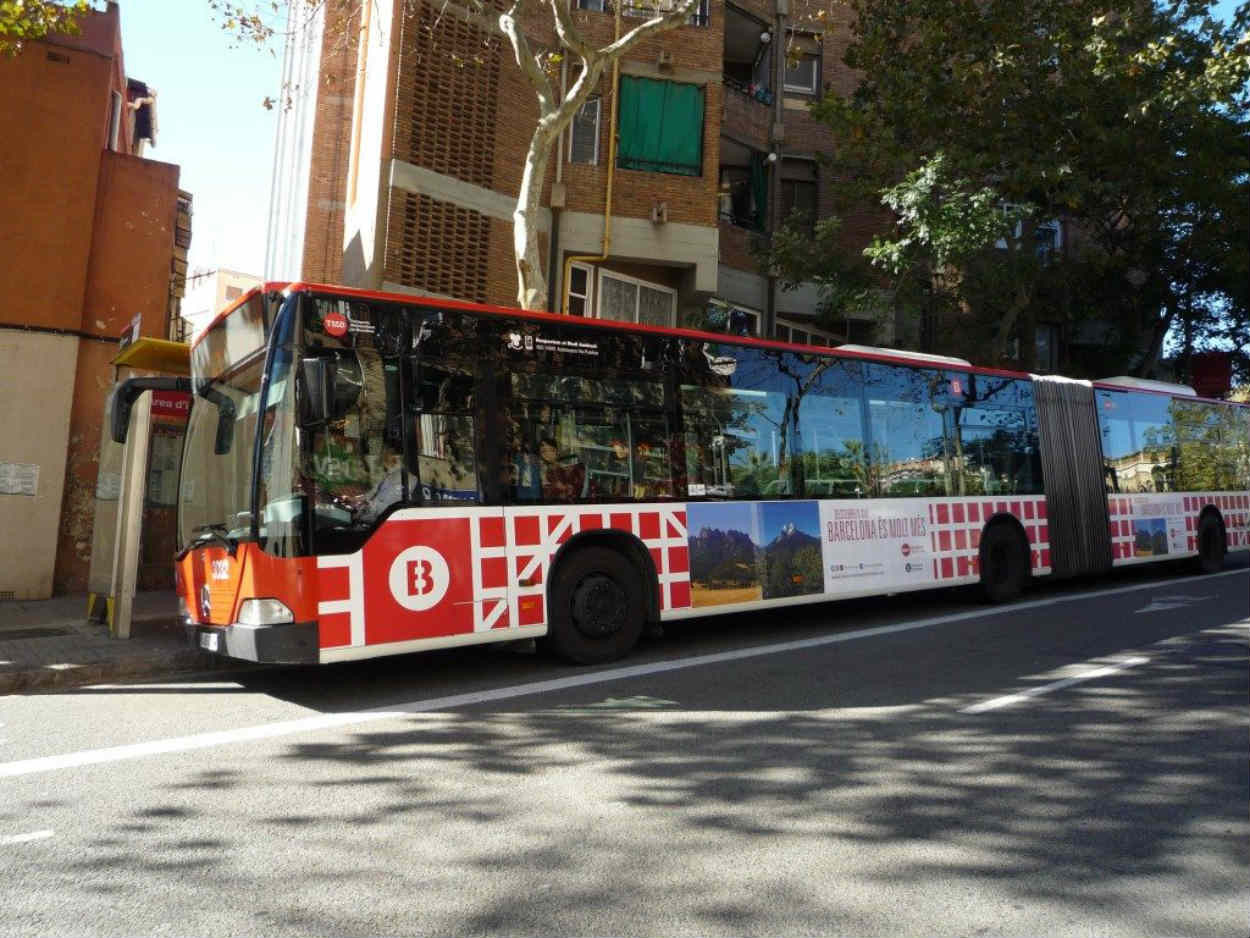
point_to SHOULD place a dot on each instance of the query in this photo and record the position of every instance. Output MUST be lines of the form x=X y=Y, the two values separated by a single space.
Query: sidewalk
x=49 y=643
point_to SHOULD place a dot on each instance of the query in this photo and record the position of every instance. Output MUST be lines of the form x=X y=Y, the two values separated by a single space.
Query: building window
x=1047 y=346
x=798 y=193
x=584 y=133
x=742 y=199
x=115 y=120
x=597 y=5
x=803 y=74
x=628 y=300
x=1047 y=239
x=661 y=126
x=728 y=317
x=802 y=334
x=580 y=280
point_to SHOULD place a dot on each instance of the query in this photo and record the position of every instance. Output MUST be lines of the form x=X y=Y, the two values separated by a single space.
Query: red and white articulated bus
x=369 y=474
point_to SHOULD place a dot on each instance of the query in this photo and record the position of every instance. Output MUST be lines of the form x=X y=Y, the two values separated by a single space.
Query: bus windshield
x=216 y=483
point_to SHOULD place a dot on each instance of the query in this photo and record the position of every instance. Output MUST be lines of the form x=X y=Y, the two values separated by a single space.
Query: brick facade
x=463 y=113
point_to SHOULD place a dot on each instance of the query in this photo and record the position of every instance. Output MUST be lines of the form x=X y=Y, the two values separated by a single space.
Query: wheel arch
x=1212 y=511
x=624 y=543
x=1006 y=519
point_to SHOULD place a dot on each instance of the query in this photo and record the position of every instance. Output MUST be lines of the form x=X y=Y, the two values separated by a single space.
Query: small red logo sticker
x=906 y=550
x=335 y=324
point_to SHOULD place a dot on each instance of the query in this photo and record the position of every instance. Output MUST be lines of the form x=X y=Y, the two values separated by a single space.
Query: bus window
x=831 y=430
x=444 y=457
x=576 y=438
x=907 y=438
x=994 y=444
x=1137 y=441
x=1210 y=443
x=736 y=442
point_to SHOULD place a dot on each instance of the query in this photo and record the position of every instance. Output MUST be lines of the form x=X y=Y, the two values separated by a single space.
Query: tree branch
x=526 y=60
x=476 y=13
x=566 y=29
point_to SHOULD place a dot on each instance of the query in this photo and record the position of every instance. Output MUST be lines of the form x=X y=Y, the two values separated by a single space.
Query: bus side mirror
x=314 y=402
x=123 y=396
x=225 y=429
x=225 y=418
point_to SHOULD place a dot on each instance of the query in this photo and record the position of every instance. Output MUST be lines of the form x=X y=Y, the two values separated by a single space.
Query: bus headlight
x=183 y=613
x=264 y=612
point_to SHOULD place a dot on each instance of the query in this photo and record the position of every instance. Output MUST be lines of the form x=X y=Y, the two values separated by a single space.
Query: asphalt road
x=1076 y=763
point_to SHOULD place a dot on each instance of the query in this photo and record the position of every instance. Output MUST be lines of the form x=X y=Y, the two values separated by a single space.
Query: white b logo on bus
x=419 y=578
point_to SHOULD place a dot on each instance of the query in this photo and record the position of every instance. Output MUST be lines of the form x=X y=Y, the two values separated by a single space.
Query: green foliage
x=1129 y=122
x=800 y=253
x=24 y=20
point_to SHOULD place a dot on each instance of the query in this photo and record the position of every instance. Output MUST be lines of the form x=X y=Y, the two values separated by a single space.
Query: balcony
x=642 y=10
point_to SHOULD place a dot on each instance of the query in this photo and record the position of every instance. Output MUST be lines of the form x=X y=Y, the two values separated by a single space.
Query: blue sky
x=724 y=516
x=210 y=121
x=774 y=516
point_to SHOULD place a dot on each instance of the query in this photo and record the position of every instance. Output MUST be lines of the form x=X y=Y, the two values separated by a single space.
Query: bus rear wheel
x=1211 y=544
x=1004 y=563
x=597 y=611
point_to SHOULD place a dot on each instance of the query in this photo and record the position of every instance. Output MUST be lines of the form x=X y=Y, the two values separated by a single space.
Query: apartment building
x=400 y=158
x=210 y=290
x=93 y=236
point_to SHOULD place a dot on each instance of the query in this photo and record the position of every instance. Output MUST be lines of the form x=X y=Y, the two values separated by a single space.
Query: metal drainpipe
x=776 y=139
x=607 y=202
x=553 y=241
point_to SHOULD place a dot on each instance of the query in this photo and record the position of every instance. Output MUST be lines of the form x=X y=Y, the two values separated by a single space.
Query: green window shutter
x=661 y=126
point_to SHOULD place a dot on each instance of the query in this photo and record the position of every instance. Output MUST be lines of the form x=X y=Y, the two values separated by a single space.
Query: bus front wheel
x=1004 y=563
x=1211 y=544
x=597 y=611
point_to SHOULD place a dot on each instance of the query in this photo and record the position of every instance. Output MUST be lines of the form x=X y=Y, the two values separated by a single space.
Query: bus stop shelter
x=137 y=483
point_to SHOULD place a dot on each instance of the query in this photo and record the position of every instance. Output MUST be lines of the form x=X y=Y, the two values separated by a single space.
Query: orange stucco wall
x=56 y=117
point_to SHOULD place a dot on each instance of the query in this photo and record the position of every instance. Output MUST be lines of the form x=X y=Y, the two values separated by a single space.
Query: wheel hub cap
x=599 y=606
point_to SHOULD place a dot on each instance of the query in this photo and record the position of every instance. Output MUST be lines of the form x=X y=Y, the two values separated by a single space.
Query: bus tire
x=597 y=609
x=1004 y=563
x=1211 y=544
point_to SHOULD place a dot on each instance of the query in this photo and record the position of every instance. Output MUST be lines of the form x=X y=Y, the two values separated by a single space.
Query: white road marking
x=352 y=718
x=25 y=838
x=189 y=687
x=1009 y=699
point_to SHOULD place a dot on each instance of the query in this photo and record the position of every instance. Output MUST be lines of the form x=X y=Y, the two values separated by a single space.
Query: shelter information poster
x=19 y=478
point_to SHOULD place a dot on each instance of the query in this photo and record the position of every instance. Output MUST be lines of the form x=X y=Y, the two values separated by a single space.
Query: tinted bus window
x=739 y=421
x=831 y=429
x=907 y=442
x=1211 y=443
x=994 y=442
x=583 y=416
x=1138 y=443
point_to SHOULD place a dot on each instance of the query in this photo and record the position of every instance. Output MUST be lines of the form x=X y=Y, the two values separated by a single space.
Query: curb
x=178 y=661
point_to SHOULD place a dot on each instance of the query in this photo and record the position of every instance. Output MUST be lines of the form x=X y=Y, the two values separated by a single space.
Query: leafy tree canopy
x=980 y=122
x=24 y=20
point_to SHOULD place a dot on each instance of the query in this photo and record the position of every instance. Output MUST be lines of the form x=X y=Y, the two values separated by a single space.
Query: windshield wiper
x=206 y=533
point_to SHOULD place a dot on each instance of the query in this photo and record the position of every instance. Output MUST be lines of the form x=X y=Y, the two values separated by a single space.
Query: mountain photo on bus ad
x=792 y=556
x=724 y=553
x=1150 y=537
